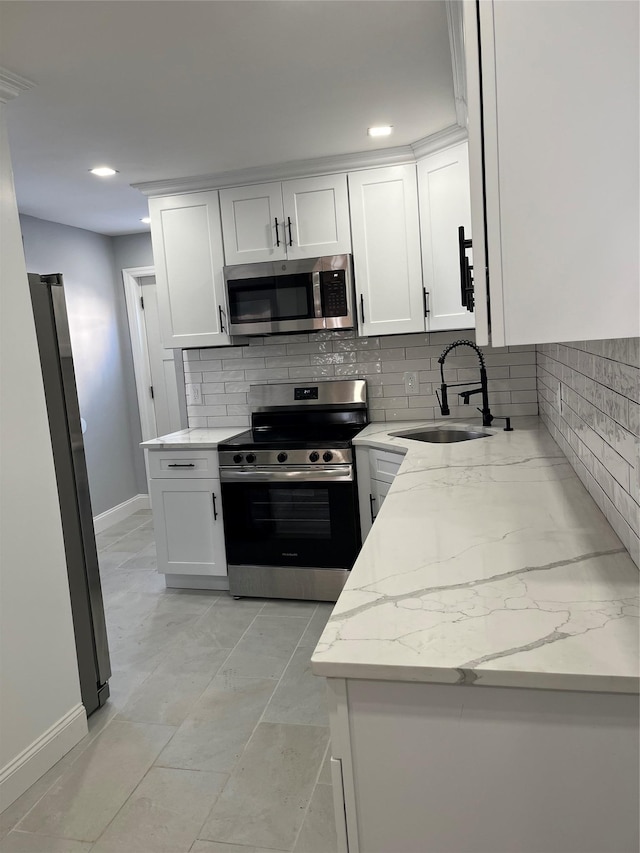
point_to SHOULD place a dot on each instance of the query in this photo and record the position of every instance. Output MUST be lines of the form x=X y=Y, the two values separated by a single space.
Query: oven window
x=296 y=513
x=260 y=300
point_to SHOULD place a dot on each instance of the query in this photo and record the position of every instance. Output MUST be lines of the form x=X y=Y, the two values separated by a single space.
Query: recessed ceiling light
x=380 y=131
x=103 y=171
x=146 y=220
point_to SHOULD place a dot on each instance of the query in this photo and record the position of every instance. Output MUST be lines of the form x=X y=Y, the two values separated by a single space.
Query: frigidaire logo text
x=288 y=554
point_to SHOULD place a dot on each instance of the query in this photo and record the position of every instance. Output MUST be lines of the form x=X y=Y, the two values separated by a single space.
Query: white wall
x=41 y=716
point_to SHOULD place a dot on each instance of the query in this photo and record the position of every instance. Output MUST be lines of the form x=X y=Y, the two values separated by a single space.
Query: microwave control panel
x=334 y=293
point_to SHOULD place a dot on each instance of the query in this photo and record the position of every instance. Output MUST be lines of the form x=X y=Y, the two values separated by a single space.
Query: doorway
x=158 y=371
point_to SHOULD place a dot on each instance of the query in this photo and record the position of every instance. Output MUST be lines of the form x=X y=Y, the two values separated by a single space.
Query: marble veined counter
x=186 y=439
x=488 y=564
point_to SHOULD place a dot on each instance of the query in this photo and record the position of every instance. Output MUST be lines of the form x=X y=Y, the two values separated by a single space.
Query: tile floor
x=215 y=737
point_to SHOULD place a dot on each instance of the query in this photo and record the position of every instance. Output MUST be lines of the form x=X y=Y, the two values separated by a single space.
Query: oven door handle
x=326 y=474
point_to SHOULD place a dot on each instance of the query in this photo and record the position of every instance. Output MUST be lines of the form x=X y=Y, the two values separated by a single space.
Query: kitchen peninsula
x=485 y=651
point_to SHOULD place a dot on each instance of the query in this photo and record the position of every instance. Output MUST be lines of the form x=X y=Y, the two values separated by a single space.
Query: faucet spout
x=487 y=417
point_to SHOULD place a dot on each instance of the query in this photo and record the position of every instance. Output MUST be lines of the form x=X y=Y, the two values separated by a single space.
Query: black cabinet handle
x=466 y=272
x=425 y=296
x=289 y=226
x=181 y=465
x=277 y=232
x=362 y=309
x=221 y=315
x=215 y=509
x=372 y=500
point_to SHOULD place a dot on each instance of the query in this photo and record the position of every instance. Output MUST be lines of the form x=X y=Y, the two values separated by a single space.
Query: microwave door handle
x=317 y=294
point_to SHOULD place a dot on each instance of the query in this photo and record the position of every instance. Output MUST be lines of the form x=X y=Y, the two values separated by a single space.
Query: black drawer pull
x=215 y=509
x=277 y=233
x=372 y=500
x=181 y=465
x=362 y=309
x=221 y=315
x=290 y=237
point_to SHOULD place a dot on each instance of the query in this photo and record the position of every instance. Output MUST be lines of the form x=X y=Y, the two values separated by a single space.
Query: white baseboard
x=34 y=761
x=120 y=512
x=196 y=582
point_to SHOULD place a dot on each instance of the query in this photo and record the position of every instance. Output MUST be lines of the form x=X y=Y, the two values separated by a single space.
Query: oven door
x=291 y=518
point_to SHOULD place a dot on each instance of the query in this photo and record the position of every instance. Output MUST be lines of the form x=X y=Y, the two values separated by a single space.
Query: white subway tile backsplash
x=598 y=425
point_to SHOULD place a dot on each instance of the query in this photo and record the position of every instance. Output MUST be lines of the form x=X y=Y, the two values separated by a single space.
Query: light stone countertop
x=186 y=439
x=489 y=564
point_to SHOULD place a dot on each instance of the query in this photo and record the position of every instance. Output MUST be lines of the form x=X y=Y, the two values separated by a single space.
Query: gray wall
x=597 y=424
x=132 y=250
x=101 y=349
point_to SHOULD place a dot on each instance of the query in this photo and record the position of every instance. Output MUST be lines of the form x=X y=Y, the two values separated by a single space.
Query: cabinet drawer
x=168 y=465
x=384 y=465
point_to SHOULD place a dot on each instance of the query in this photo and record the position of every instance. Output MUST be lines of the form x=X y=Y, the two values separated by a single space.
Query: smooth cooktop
x=274 y=438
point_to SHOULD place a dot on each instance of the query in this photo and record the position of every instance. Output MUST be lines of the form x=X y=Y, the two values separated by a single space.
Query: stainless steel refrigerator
x=54 y=345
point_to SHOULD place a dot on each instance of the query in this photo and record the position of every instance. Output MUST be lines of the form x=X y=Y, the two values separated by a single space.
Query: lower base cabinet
x=444 y=768
x=187 y=517
x=376 y=472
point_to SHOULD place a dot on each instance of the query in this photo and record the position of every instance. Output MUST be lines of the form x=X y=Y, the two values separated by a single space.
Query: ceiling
x=162 y=89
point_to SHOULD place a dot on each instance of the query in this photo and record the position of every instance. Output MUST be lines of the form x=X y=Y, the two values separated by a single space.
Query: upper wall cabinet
x=386 y=250
x=302 y=218
x=187 y=250
x=443 y=192
x=556 y=93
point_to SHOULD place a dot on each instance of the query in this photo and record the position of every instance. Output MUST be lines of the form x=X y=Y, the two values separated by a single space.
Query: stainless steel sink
x=440 y=435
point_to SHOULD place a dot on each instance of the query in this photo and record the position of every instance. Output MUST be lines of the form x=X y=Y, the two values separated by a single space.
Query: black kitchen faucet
x=487 y=417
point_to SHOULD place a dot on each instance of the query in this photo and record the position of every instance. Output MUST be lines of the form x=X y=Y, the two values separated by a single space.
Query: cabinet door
x=319 y=212
x=253 y=224
x=187 y=251
x=187 y=518
x=386 y=250
x=560 y=110
x=379 y=491
x=445 y=205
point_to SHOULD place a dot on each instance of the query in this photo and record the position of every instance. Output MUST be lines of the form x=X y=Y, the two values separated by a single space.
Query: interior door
x=164 y=378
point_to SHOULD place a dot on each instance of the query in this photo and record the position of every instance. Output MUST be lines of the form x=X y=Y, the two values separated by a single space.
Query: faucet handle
x=507 y=425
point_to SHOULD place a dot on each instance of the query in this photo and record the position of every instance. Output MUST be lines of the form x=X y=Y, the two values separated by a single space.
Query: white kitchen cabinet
x=385 y=230
x=186 y=501
x=302 y=218
x=187 y=250
x=555 y=88
x=445 y=205
x=541 y=771
x=376 y=472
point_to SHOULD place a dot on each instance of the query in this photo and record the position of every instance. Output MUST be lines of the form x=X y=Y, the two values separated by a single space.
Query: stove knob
x=237 y=458
x=282 y=457
x=251 y=458
x=327 y=456
x=313 y=457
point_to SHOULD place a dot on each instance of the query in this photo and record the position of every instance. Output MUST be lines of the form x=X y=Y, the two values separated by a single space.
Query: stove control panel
x=290 y=458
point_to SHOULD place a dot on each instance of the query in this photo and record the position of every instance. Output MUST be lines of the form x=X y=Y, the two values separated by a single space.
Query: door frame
x=138 y=336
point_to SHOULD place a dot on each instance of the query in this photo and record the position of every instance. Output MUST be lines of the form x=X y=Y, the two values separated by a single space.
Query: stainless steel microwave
x=290 y=296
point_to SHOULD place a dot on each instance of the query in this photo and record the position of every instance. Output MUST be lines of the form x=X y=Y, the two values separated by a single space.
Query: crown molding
x=439 y=141
x=399 y=155
x=12 y=84
x=456 y=43
x=279 y=172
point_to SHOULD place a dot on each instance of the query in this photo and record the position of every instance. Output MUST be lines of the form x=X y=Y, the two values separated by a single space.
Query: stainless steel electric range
x=289 y=491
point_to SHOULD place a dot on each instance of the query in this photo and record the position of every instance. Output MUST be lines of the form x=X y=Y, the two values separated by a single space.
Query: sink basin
x=440 y=435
